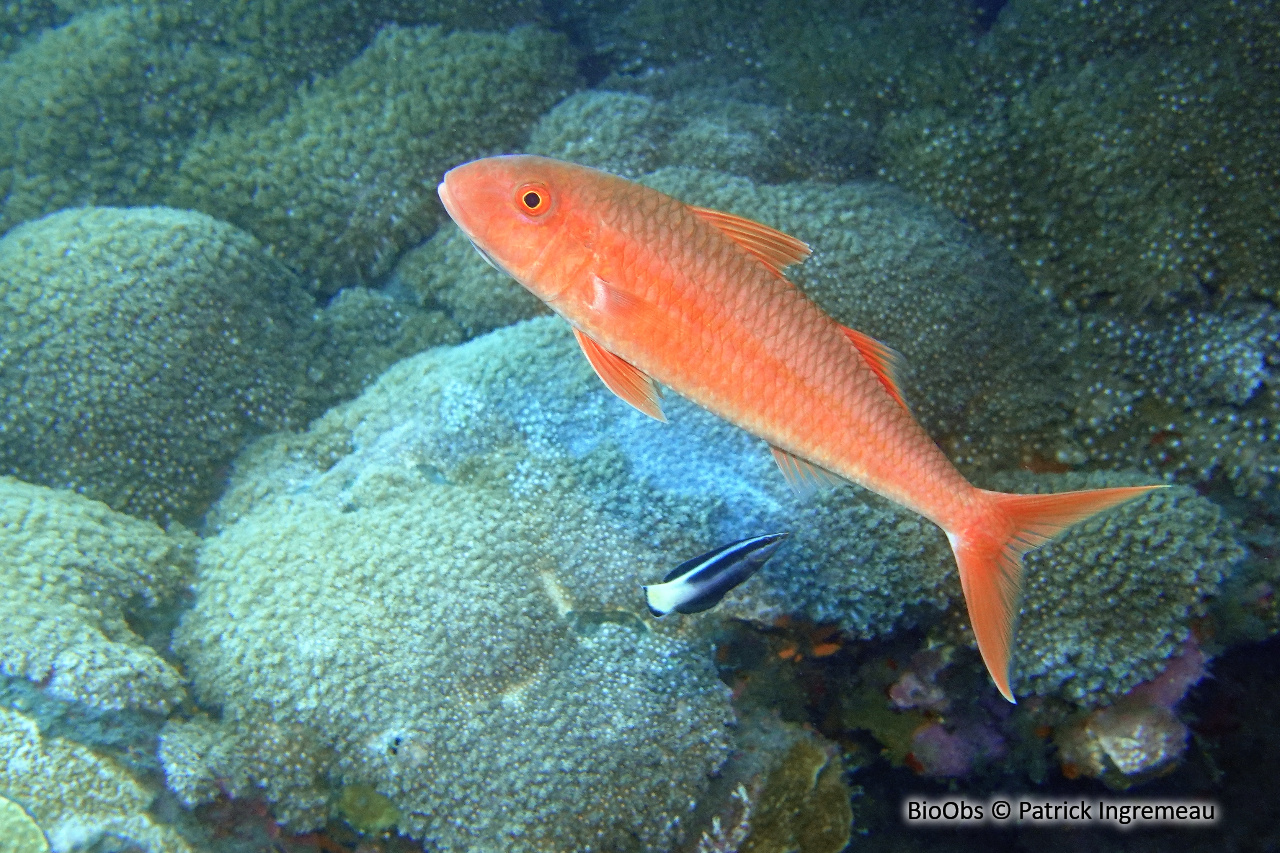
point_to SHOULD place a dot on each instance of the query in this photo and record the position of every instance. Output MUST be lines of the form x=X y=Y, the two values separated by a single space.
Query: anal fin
x=803 y=476
x=623 y=378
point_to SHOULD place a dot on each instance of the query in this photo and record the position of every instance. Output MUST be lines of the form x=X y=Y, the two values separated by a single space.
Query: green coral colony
x=311 y=522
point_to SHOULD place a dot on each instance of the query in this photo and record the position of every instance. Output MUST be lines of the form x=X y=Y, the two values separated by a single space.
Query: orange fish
x=660 y=291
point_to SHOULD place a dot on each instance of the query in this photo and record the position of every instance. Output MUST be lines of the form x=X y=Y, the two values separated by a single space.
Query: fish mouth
x=446 y=198
x=450 y=206
x=488 y=259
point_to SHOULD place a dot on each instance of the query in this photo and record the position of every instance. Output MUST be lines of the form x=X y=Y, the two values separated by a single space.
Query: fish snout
x=473 y=195
x=446 y=196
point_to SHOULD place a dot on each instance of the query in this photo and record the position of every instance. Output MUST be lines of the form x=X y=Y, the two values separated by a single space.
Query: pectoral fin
x=623 y=378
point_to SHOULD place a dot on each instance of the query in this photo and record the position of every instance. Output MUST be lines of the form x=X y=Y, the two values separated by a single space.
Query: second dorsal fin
x=885 y=361
x=776 y=249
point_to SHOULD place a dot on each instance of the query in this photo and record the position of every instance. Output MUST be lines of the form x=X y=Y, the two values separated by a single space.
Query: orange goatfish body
x=658 y=290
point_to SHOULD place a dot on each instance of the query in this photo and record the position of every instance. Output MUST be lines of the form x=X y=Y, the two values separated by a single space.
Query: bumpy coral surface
x=345 y=179
x=361 y=333
x=1192 y=394
x=141 y=347
x=72 y=576
x=1124 y=151
x=631 y=134
x=833 y=56
x=436 y=612
x=446 y=273
x=19 y=832
x=80 y=799
x=91 y=110
x=99 y=107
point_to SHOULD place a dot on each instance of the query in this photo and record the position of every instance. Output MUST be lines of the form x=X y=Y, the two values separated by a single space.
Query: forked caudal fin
x=989 y=554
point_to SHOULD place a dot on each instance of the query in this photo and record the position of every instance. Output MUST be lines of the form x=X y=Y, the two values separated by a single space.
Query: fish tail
x=989 y=553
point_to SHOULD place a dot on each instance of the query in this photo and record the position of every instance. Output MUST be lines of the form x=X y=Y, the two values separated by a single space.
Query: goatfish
x=659 y=291
x=700 y=583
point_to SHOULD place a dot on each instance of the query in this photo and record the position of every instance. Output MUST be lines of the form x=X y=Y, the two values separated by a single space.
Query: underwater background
x=319 y=534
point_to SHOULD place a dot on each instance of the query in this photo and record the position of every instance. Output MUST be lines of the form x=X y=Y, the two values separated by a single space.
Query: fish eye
x=534 y=199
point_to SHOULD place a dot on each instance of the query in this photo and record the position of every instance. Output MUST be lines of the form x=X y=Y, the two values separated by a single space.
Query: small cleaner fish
x=660 y=291
x=699 y=584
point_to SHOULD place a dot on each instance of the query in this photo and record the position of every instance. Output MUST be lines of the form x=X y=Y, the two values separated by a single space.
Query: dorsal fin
x=885 y=361
x=804 y=477
x=776 y=249
x=623 y=378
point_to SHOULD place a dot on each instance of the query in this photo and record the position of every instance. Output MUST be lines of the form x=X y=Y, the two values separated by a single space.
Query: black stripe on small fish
x=700 y=583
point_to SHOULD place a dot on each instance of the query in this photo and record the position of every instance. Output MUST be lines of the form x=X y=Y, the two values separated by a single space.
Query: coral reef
x=941 y=751
x=19 y=20
x=333 y=610
x=1192 y=394
x=19 y=833
x=80 y=799
x=921 y=283
x=446 y=273
x=99 y=107
x=361 y=333
x=802 y=803
x=1125 y=153
x=297 y=38
x=344 y=180
x=631 y=134
x=821 y=56
x=77 y=580
x=345 y=523
x=1189 y=394
x=96 y=110
x=616 y=131
x=141 y=348
x=917 y=685
x=786 y=791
